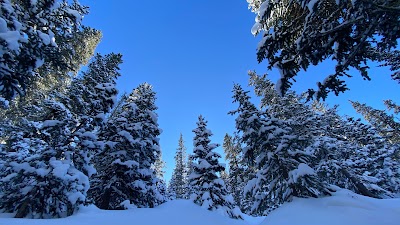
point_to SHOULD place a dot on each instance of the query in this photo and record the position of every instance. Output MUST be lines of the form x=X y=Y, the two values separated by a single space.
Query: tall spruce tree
x=315 y=123
x=279 y=152
x=126 y=174
x=179 y=181
x=117 y=164
x=210 y=189
x=145 y=98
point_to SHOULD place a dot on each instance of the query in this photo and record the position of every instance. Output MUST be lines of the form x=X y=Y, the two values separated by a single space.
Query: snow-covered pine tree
x=117 y=164
x=147 y=119
x=211 y=192
x=53 y=179
x=375 y=165
x=94 y=94
x=378 y=155
x=357 y=158
x=46 y=96
x=279 y=155
x=178 y=184
x=344 y=150
x=91 y=97
x=126 y=176
x=331 y=149
x=44 y=183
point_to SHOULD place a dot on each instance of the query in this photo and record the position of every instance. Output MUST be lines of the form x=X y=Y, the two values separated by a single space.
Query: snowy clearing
x=344 y=208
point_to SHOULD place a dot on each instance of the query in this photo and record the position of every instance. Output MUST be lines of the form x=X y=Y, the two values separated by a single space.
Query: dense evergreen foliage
x=278 y=149
x=299 y=148
x=386 y=124
x=297 y=34
x=33 y=33
x=54 y=145
x=66 y=141
x=236 y=177
x=126 y=173
x=62 y=123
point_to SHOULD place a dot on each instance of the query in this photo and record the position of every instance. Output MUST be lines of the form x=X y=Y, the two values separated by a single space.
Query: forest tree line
x=68 y=140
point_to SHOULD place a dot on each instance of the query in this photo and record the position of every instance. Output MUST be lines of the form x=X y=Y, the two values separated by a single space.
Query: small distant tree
x=178 y=184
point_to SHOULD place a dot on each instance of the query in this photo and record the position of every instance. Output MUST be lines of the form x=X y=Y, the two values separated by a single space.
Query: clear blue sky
x=192 y=52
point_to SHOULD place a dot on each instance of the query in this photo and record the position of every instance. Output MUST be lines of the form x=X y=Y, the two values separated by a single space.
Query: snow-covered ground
x=344 y=208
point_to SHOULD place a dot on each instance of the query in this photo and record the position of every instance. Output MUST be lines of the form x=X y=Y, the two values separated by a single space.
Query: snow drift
x=343 y=208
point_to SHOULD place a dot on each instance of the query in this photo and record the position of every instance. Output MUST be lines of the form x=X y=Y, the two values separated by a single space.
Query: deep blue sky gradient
x=192 y=52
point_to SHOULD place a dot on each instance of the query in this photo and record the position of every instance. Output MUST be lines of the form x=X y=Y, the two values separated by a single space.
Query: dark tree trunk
x=105 y=199
x=359 y=186
x=22 y=211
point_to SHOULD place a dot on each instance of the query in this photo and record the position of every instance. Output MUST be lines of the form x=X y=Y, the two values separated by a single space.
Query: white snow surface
x=343 y=208
x=302 y=170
